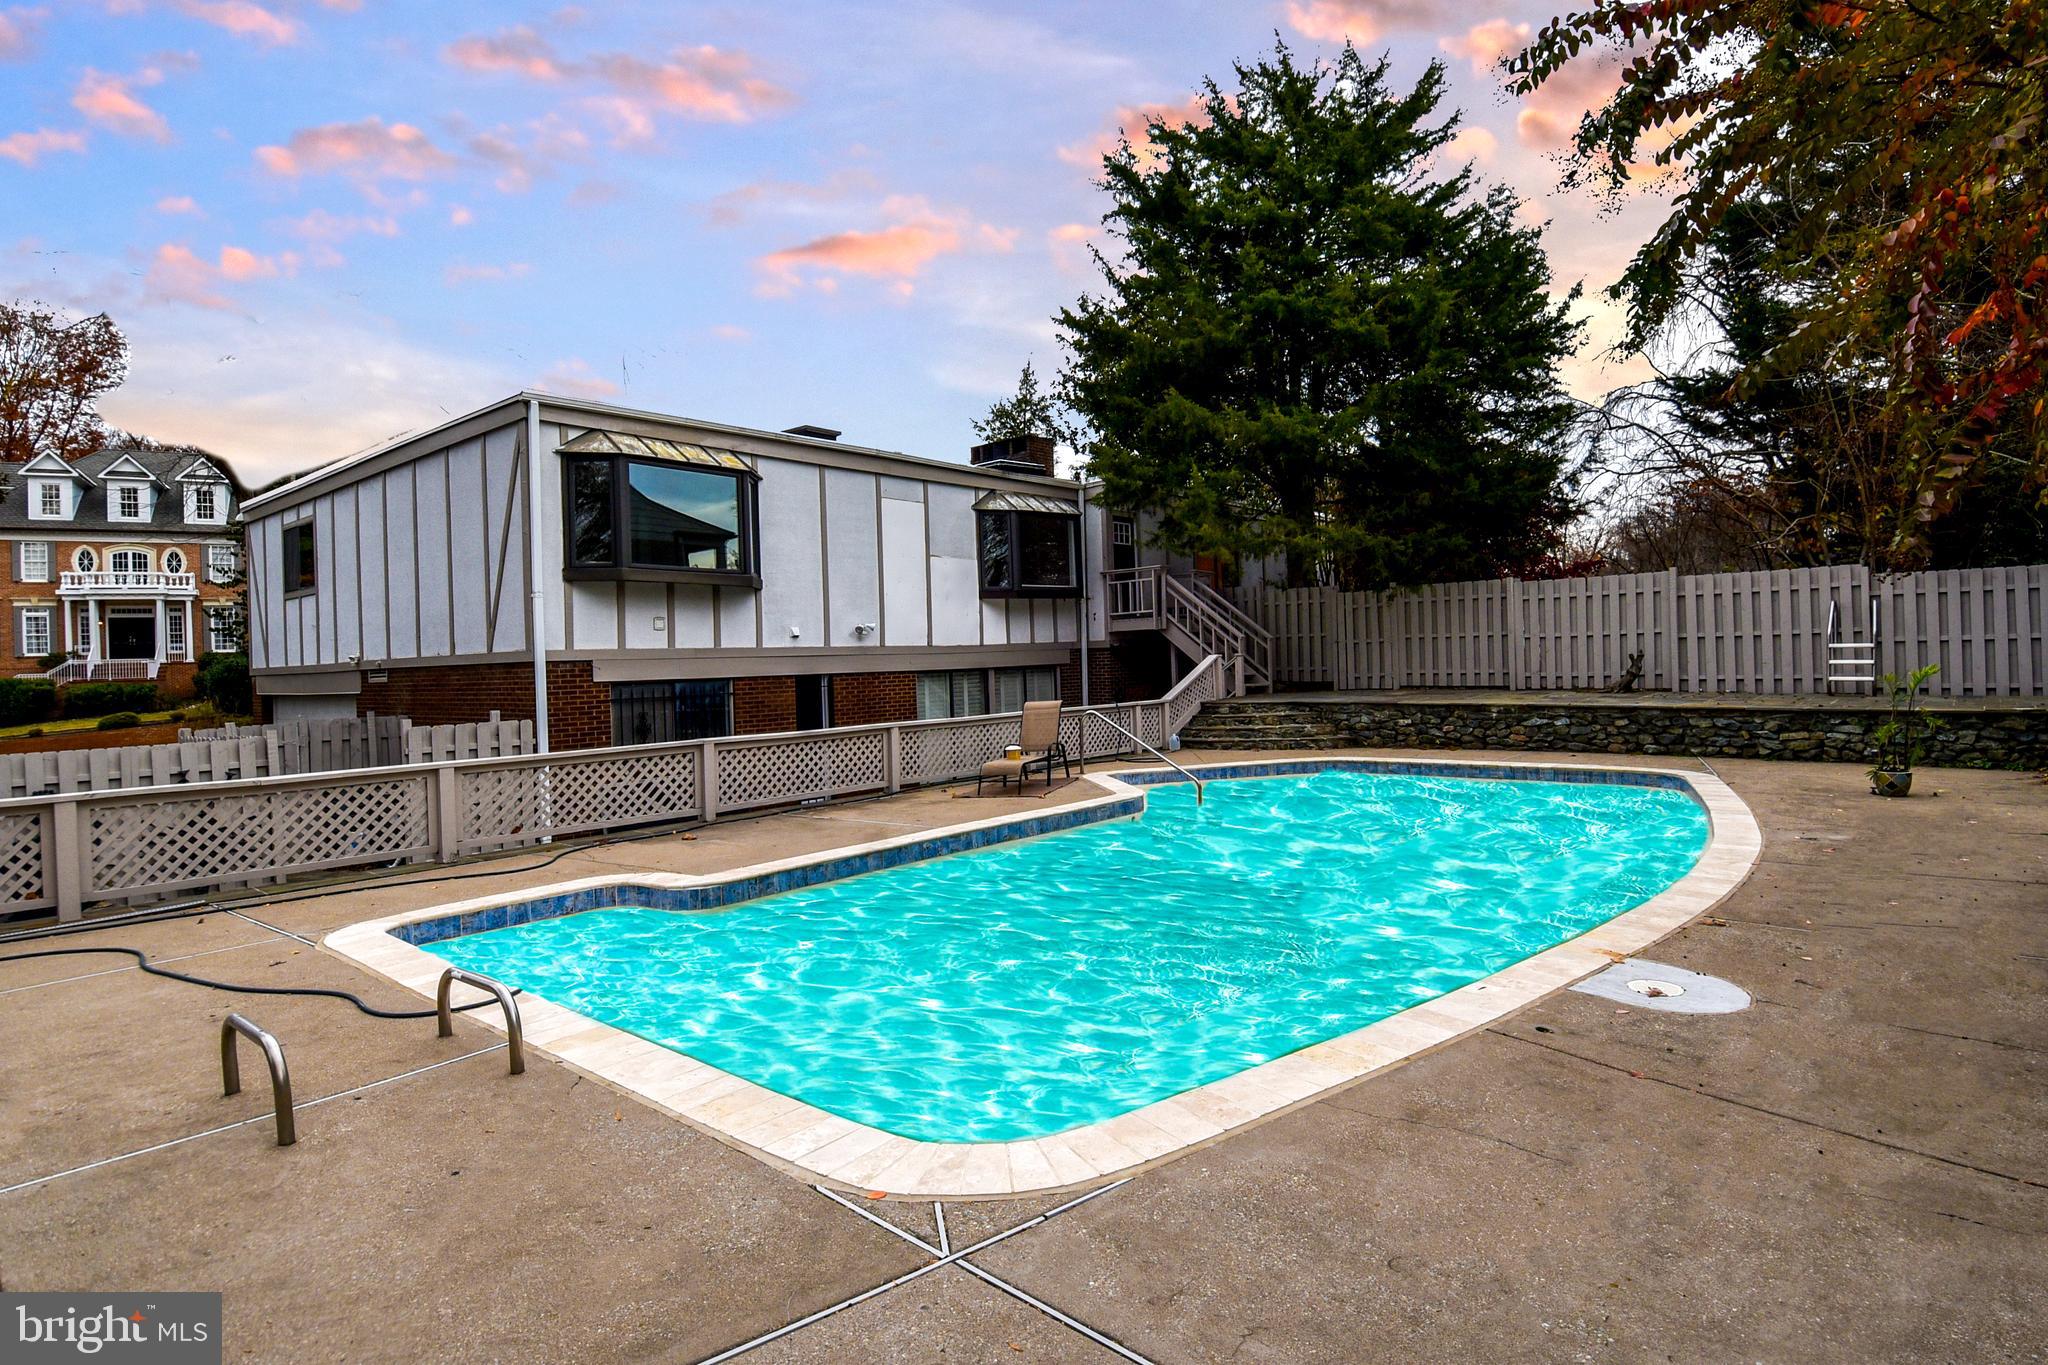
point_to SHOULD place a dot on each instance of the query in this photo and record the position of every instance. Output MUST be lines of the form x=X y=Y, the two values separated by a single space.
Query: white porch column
x=157 y=607
x=92 y=632
x=191 y=620
x=68 y=609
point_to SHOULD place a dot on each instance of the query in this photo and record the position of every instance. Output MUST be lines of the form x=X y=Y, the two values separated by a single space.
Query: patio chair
x=1039 y=739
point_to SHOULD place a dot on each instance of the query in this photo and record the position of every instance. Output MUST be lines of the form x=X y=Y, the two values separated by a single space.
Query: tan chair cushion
x=1003 y=767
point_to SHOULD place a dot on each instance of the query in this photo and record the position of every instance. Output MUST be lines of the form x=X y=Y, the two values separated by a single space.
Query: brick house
x=125 y=559
x=684 y=579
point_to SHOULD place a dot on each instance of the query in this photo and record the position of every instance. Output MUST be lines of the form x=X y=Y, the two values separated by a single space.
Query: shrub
x=119 y=720
x=224 y=681
x=50 y=661
x=98 y=699
x=26 y=700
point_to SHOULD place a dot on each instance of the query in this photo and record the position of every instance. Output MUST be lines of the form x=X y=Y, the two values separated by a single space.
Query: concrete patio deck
x=1854 y=1168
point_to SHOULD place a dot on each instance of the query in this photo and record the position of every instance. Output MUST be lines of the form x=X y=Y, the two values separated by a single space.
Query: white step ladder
x=1851 y=661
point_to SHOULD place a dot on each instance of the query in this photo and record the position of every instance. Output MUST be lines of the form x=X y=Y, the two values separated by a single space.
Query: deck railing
x=66 y=851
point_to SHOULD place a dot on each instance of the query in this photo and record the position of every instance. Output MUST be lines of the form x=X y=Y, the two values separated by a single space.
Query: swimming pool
x=1039 y=986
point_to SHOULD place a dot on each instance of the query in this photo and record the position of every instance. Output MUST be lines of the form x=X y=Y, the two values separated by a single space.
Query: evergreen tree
x=1029 y=412
x=1319 y=340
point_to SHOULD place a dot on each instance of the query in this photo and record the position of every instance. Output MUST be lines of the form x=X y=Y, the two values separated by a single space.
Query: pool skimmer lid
x=1656 y=986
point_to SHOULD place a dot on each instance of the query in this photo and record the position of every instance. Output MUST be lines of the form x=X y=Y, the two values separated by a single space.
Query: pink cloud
x=369 y=148
x=459 y=216
x=711 y=84
x=110 y=101
x=244 y=19
x=322 y=226
x=1472 y=144
x=901 y=250
x=1359 y=21
x=575 y=378
x=18 y=32
x=914 y=235
x=177 y=275
x=463 y=272
x=517 y=50
x=179 y=204
x=1132 y=121
x=29 y=148
x=697 y=82
x=726 y=331
x=1551 y=115
x=1485 y=44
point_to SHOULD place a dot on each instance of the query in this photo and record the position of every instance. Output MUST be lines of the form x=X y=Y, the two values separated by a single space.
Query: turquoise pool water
x=1035 y=986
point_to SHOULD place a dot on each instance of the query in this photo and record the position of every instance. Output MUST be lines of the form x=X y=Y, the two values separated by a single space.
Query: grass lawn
x=65 y=727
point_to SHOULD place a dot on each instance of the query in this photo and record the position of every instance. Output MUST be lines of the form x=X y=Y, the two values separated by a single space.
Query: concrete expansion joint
x=1703 y=1093
x=943 y=1256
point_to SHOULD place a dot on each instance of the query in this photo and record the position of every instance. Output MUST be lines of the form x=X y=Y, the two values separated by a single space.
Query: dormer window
x=206 y=503
x=50 y=500
x=127 y=502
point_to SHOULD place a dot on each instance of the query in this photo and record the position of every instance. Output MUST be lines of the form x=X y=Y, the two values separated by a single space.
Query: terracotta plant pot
x=1891 y=784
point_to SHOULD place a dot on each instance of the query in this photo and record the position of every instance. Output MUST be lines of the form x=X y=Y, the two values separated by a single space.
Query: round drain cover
x=1656 y=989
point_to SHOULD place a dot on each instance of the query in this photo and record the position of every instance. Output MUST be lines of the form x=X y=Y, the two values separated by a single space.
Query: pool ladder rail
x=280 y=1073
x=1141 y=743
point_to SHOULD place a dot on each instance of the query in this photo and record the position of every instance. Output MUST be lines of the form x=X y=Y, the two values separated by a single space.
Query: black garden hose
x=154 y=970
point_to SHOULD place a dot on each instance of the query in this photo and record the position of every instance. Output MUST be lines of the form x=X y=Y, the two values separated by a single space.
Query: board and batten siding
x=421 y=561
x=427 y=560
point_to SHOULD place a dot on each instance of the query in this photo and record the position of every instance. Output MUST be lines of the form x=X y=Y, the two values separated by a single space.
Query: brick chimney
x=1017 y=454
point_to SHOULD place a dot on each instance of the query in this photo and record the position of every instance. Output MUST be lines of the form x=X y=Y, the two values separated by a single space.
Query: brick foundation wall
x=1127 y=670
x=873 y=698
x=579 y=708
x=763 y=706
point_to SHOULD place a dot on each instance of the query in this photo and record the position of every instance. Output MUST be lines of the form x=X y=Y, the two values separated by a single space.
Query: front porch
x=125 y=625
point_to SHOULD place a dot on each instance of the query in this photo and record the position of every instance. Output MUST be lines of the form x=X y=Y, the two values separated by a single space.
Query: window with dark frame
x=668 y=712
x=635 y=518
x=1027 y=554
x=301 y=566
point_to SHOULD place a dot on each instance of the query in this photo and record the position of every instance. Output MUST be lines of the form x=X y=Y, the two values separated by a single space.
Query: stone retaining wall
x=1990 y=738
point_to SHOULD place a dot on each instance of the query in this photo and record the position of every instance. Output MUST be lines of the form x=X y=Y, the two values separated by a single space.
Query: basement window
x=662 y=516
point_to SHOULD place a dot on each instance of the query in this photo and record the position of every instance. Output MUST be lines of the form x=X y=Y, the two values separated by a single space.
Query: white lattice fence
x=23 y=885
x=502 y=805
x=797 y=768
x=939 y=751
x=222 y=836
x=69 y=849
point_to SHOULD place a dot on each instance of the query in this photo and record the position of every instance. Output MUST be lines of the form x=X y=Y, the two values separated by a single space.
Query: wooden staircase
x=1196 y=620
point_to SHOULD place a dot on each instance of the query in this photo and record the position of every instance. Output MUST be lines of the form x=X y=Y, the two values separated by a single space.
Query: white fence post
x=444 y=813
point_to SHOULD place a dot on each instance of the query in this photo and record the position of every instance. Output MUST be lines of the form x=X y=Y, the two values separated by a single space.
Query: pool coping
x=824 y=1148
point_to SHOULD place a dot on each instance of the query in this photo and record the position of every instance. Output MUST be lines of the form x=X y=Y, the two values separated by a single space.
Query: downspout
x=536 y=627
x=1087 y=592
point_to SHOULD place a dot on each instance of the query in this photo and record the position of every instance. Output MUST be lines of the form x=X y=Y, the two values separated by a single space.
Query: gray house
x=683 y=578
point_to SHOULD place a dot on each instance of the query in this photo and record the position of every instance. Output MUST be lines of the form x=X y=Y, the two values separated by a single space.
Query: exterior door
x=131 y=634
x=1123 y=543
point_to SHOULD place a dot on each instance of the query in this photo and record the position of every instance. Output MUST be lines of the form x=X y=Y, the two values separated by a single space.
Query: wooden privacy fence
x=1763 y=632
x=239 y=752
x=373 y=741
x=65 y=851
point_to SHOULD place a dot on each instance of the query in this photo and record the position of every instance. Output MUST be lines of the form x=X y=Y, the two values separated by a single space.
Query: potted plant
x=1901 y=736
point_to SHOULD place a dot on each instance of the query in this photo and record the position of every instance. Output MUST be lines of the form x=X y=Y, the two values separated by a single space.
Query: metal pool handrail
x=280 y=1077
x=505 y=1001
x=1140 y=742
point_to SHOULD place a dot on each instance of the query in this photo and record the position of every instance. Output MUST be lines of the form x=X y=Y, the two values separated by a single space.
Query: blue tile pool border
x=719 y=895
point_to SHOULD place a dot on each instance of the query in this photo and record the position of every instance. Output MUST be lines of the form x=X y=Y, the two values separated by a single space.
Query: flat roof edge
x=316 y=481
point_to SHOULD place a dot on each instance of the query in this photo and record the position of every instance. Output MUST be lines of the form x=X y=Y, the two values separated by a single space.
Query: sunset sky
x=325 y=222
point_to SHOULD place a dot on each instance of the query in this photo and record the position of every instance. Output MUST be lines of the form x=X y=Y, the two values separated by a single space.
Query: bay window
x=628 y=518
x=1026 y=553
